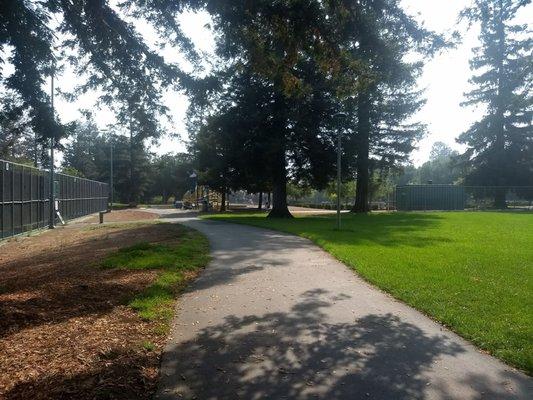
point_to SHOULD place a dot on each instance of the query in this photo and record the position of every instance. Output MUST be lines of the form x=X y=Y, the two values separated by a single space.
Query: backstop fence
x=458 y=197
x=25 y=197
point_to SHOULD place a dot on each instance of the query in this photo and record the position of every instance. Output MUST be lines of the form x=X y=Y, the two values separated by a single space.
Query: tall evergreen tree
x=291 y=48
x=230 y=138
x=238 y=144
x=499 y=145
x=381 y=36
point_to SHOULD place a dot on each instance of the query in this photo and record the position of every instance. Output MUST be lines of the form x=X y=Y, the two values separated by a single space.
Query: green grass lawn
x=472 y=271
x=175 y=261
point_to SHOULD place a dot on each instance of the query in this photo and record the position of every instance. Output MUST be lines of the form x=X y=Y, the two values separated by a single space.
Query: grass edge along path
x=470 y=271
x=178 y=261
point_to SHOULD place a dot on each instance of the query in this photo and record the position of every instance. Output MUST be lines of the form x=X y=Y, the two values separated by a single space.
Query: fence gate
x=25 y=194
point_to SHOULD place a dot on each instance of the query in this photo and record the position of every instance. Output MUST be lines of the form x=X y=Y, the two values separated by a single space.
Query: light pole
x=339 y=153
x=194 y=176
x=51 y=223
x=339 y=170
x=111 y=186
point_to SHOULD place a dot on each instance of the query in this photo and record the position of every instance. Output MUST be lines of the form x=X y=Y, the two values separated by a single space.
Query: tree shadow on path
x=300 y=355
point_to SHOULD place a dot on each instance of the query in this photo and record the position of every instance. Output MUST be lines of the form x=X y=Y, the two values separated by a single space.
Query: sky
x=444 y=79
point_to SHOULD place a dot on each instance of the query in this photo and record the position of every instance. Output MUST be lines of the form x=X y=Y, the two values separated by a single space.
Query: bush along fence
x=25 y=198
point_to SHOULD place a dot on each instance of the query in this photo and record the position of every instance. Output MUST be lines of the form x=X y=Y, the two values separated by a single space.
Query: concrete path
x=275 y=317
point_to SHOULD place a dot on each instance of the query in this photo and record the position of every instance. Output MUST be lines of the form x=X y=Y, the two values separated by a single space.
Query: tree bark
x=361 y=204
x=260 y=201
x=223 y=201
x=279 y=181
x=499 y=198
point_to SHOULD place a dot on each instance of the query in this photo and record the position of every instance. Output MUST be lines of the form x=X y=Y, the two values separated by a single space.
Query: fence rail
x=25 y=194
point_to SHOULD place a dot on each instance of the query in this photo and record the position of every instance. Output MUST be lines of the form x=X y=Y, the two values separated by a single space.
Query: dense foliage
x=138 y=175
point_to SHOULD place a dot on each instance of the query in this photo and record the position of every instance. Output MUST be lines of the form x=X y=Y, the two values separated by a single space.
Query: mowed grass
x=177 y=261
x=472 y=271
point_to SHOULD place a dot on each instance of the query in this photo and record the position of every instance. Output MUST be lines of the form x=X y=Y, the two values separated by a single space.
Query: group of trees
x=139 y=175
x=279 y=100
x=297 y=75
x=443 y=167
x=287 y=78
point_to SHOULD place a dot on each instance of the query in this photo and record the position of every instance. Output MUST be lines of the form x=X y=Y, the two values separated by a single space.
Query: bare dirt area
x=121 y=216
x=65 y=331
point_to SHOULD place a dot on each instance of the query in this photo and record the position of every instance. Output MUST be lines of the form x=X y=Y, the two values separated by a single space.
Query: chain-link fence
x=25 y=197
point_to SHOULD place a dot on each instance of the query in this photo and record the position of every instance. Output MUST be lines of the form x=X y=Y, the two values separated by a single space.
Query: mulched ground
x=65 y=331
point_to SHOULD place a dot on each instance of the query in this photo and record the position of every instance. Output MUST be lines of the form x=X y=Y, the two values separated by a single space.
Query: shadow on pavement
x=299 y=355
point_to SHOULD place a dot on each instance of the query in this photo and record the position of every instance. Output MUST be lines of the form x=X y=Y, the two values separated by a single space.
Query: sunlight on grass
x=471 y=271
x=175 y=260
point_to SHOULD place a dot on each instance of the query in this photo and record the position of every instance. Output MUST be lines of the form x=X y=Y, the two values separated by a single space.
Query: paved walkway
x=275 y=317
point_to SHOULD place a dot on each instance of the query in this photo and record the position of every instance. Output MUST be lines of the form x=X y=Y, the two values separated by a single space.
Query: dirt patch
x=65 y=331
x=122 y=216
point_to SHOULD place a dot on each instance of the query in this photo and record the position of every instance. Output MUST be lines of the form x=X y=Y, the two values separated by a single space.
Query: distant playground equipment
x=202 y=198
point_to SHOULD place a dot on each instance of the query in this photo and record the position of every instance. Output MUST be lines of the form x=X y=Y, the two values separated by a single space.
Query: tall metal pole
x=111 y=187
x=339 y=151
x=52 y=197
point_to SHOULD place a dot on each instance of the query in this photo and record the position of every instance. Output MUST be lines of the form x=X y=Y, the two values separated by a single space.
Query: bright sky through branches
x=445 y=78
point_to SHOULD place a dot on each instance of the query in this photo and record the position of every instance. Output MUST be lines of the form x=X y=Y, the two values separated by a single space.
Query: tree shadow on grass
x=300 y=355
x=389 y=230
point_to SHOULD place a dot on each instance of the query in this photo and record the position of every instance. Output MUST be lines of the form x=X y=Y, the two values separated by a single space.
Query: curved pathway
x=275 y=317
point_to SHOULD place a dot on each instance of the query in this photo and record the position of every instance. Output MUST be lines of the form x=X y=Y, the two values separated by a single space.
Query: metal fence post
x=2 y=199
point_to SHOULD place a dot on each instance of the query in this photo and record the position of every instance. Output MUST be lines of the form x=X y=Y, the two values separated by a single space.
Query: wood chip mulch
x=65 y=329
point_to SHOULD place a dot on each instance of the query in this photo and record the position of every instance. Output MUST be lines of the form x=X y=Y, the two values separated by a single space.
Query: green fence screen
x=430 y=197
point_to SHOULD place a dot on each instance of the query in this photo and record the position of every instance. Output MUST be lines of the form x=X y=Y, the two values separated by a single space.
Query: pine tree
x=290 y=47
x=381 y=36
x=499 y=145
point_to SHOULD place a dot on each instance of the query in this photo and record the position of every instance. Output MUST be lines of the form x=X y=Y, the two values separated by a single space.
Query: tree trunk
x=260 y=201
x=363 y=165
x=279 y=180
x=499 y=198
x=223 y=201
